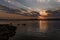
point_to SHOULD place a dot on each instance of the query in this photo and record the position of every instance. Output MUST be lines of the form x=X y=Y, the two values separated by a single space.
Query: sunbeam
x=17 y=4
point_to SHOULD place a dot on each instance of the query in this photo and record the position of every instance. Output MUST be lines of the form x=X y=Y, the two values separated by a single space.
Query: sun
x=43 y=13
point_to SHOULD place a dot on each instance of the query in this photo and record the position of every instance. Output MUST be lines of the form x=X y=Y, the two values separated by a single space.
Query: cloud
x=58 y=0
x=42 y=4
x=34 y=4
x=16 y=3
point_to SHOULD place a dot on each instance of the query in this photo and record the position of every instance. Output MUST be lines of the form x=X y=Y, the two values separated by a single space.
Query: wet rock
x=7 y=31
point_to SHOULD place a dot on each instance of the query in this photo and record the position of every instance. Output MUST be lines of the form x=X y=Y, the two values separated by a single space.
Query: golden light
x=43 y=24
x=43 y=13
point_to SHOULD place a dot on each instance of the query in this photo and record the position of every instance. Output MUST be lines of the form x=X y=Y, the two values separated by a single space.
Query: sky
x=33 y=4
x=42 y=4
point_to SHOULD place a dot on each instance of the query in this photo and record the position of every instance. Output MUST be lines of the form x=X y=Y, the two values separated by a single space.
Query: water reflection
x=43 y=26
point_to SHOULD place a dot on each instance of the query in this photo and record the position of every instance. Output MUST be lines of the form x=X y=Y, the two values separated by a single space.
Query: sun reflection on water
x=43 y=24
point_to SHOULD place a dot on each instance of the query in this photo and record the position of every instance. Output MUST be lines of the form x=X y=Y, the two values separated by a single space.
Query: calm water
x=37 y=28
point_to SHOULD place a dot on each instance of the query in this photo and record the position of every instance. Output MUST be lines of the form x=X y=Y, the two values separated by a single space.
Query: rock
x=7 y=31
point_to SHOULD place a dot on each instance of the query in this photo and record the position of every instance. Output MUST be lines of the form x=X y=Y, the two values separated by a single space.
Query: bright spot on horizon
x=43 y=13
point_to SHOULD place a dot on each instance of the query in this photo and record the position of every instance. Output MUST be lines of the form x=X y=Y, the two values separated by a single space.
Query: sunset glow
x=43 y=13
x=43 y=24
